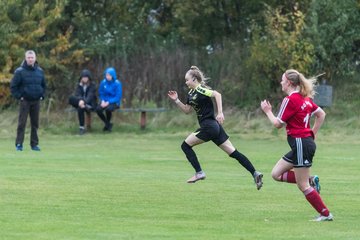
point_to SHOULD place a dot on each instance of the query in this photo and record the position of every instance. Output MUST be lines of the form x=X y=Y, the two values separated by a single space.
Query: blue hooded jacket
x=110 y=91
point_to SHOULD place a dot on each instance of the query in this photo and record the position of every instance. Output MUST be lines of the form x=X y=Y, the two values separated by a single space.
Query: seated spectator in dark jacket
x=84 y=99
x=110 y=93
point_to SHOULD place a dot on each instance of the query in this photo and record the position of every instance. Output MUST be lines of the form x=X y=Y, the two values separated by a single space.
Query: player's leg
x=229 y=148
x=282 y=172
x=191 y=141
x=312 y=196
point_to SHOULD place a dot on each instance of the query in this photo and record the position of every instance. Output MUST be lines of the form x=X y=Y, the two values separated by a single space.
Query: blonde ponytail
x=298 y=79
x=199 y=76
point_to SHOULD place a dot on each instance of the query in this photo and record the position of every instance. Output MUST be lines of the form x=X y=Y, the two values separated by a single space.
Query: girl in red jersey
x=295 y=112
x=200 y=99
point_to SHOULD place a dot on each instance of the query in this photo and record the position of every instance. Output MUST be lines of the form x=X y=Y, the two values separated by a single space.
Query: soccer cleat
x=19 y=147
x=258 y=179
x=322 y=218
x=35 y=148
x=315 y=183
x=198 y=176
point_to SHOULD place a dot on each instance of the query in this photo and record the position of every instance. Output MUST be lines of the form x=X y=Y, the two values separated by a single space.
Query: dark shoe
x=35 y=148
x=81 y=131
x=110 y=125
x=19 y=147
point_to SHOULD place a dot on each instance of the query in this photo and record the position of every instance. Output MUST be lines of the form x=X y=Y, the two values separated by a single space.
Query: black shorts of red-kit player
x=191 y=156
x=302 y=151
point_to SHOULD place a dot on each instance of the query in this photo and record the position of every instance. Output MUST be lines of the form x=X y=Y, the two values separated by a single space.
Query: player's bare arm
x=267 y=108
x=319 y=120
x=220 y=115
x=184 y=107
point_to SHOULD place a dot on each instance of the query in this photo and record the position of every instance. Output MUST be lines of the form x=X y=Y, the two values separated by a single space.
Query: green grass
x=132 y=186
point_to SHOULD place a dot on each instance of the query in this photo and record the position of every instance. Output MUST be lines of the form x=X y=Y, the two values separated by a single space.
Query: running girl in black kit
x=199 y=98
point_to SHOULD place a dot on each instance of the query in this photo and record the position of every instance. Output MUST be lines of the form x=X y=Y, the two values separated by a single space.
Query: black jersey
x=200 y=99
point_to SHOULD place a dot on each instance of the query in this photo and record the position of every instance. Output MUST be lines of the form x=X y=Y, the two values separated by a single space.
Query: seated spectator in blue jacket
x=110 y=93
x=84 y=98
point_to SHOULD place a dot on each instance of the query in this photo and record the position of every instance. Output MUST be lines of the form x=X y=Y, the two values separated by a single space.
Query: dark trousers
x=108 y=111
x=74 y=101
x=31 y=108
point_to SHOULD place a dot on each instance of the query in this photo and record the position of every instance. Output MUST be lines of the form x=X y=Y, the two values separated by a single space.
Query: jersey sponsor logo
x=305 y=104
x=204 y=91
x=201 y=90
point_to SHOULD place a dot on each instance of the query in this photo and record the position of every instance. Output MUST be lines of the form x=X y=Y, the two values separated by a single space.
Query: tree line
x=242 y=45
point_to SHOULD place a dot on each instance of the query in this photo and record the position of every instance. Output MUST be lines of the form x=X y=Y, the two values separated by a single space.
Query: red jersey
x=296 y=111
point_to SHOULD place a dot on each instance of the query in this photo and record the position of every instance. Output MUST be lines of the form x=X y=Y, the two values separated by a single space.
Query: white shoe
x=322 y=218
x=198 y=176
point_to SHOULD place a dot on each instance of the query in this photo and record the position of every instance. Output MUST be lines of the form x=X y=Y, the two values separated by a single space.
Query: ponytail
x=307 y=86
x=298 y=79
x=199 y=76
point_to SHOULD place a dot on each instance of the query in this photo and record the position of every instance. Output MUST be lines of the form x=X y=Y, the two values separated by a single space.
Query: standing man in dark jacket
x=28 y=85
x=84 y=99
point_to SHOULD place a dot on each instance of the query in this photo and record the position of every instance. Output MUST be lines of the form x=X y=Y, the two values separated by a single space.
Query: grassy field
x=132 y=186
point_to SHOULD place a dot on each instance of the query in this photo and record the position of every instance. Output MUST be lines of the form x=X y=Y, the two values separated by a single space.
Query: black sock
x=191 y=156
x=244 y=161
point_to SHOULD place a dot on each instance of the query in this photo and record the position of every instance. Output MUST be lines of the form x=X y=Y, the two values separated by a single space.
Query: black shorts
x=302 y=151
x=211 y=130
